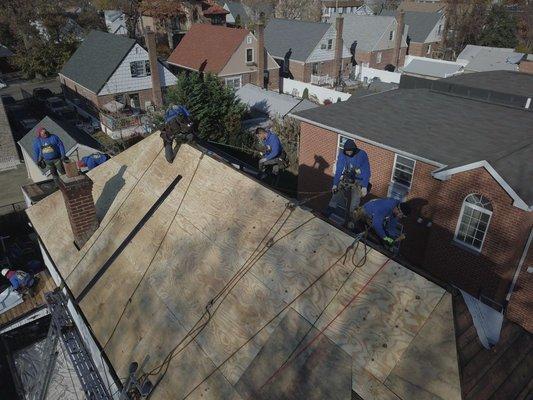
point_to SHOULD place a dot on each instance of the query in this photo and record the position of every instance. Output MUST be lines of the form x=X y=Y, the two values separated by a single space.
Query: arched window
x=474 y=221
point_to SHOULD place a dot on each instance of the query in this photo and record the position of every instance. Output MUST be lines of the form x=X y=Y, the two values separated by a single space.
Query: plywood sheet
x=429 y=368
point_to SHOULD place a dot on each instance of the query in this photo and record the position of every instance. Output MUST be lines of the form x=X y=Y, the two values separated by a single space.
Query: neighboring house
x=425 y=32
x=376 y=37
x=216 y=14
x=460 y=149
x=483 y=58
x=70 y=29
x=9 y=157
x=526 y=65
x=330 y=7
x=427 y=6
x=247 y=15
x=107 y=68
x=266 y=105
x=231 y=53
x=145 y=276
x=430 y=68
x=5 y=55
x=311 y=46
x=78 y=144
x=115 y=21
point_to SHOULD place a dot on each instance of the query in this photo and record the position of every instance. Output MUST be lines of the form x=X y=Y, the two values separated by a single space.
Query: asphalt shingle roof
x=300 y=36
x=93 y=63
x=207 y=47
x=238 y=9
x=366 y=29
x=447 y=129
x=420 y=23
x=510 y=82
x=69 y=135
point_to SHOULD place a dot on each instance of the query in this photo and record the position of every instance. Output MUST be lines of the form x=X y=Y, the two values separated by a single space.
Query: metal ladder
x=50 y=353
x=90 y=380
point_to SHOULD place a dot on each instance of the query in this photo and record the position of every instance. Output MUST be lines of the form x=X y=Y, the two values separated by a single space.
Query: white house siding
x=229 y=17
x=384 y=43
x=121 y=81
x=434 y=35
x=319 y=54
x=237 y=62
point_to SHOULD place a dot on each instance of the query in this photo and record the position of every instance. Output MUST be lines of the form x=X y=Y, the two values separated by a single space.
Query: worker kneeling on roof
x=273 y=155
x=351 y=180
x=178 y=127
x=20 y=280
x=48 y=151
x=92 y=161
x=383 y=217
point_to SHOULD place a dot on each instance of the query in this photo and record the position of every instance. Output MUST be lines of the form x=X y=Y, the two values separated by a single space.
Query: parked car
x=7 y=100
x=60 y=108
x=27 y=124
x=42 y=94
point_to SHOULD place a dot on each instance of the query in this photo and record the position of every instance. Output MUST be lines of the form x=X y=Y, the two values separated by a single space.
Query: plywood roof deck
x=189 y=249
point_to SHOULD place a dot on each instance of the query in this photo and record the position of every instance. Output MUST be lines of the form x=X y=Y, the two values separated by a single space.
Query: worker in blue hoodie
x=273 y=154
x=383 y=217
x=92 y=161
x=48 y=151
x=178 y=129
x=19 y=280
x=352 y=177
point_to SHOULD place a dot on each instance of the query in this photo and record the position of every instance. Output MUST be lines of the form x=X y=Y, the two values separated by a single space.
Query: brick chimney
x=339 y=24
x=157 y=95
x=77 y=192
x=260 y=51
x=399 y=38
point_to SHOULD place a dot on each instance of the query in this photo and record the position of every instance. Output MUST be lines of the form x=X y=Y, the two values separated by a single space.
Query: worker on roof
x=48 y=151
x=19 y=280
x=92 y=161
x=351 y=180
x=272 y=155
x=178 y=127
x=383 y=217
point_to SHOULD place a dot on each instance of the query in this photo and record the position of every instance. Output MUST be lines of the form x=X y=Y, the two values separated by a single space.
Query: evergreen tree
x=238 y=21
x=305 y=94
x=500 y=28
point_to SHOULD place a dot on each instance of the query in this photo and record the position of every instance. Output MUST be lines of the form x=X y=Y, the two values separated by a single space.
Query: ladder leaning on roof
x=90 y=380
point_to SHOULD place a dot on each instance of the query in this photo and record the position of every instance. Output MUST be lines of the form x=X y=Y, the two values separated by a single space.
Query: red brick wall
x=488 y=273
x=526 y=66
x=420 y=49
x=387 y=57
x=302 y=72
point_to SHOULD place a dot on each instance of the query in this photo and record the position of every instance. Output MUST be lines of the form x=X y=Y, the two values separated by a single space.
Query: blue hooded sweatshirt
x=49 y=148
x=383 y=220
x=19 y=279
x=94 y=160
x=350 y=164
x=272 y=142
x=175 y=112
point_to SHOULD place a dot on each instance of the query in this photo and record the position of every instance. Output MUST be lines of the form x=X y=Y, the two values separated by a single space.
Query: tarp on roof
x=187 y=251
x=300 y=36
x=93 y=63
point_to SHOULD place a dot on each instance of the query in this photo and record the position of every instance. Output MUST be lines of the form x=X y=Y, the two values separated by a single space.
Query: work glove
x=388 y=241
x=41 y=164
x=334 y=189
x=357 y=171
x=364 y=191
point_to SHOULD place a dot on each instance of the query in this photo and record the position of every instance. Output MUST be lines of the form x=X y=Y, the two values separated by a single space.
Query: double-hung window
x=140 y=68
x=233 y=82
x=249 y=56
x=330 y=44
x=474 y=220
x=402 y=177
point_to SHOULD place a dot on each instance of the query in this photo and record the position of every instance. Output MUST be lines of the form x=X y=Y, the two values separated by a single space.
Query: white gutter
x=520 y=264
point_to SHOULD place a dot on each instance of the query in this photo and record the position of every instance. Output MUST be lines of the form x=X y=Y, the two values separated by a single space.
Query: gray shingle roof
x=366 y=29
x=510 y=82
x=447 y=129
x=5 y=52
x=420 y=23
x=483 y=58
x=300 y=36
x=93 y=63
x=238 y=9
x=69 y=135
x=433 y=68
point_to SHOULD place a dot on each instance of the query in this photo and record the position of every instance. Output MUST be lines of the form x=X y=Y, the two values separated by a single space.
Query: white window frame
x=394 y=169
x=458 y=225
x=246 y=55
x=428 y=50
x=249 y=39
x=146 y=68
x=379 y=57
x=233 y=78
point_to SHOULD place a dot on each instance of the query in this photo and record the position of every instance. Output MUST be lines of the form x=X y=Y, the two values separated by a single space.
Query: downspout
x=520 y=264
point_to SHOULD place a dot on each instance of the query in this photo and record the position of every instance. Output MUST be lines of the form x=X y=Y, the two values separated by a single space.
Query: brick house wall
x=489 y=272
x=526 y=66
x=387 y=57
x=519 y=309
x=421 y=49
x=302 y=72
